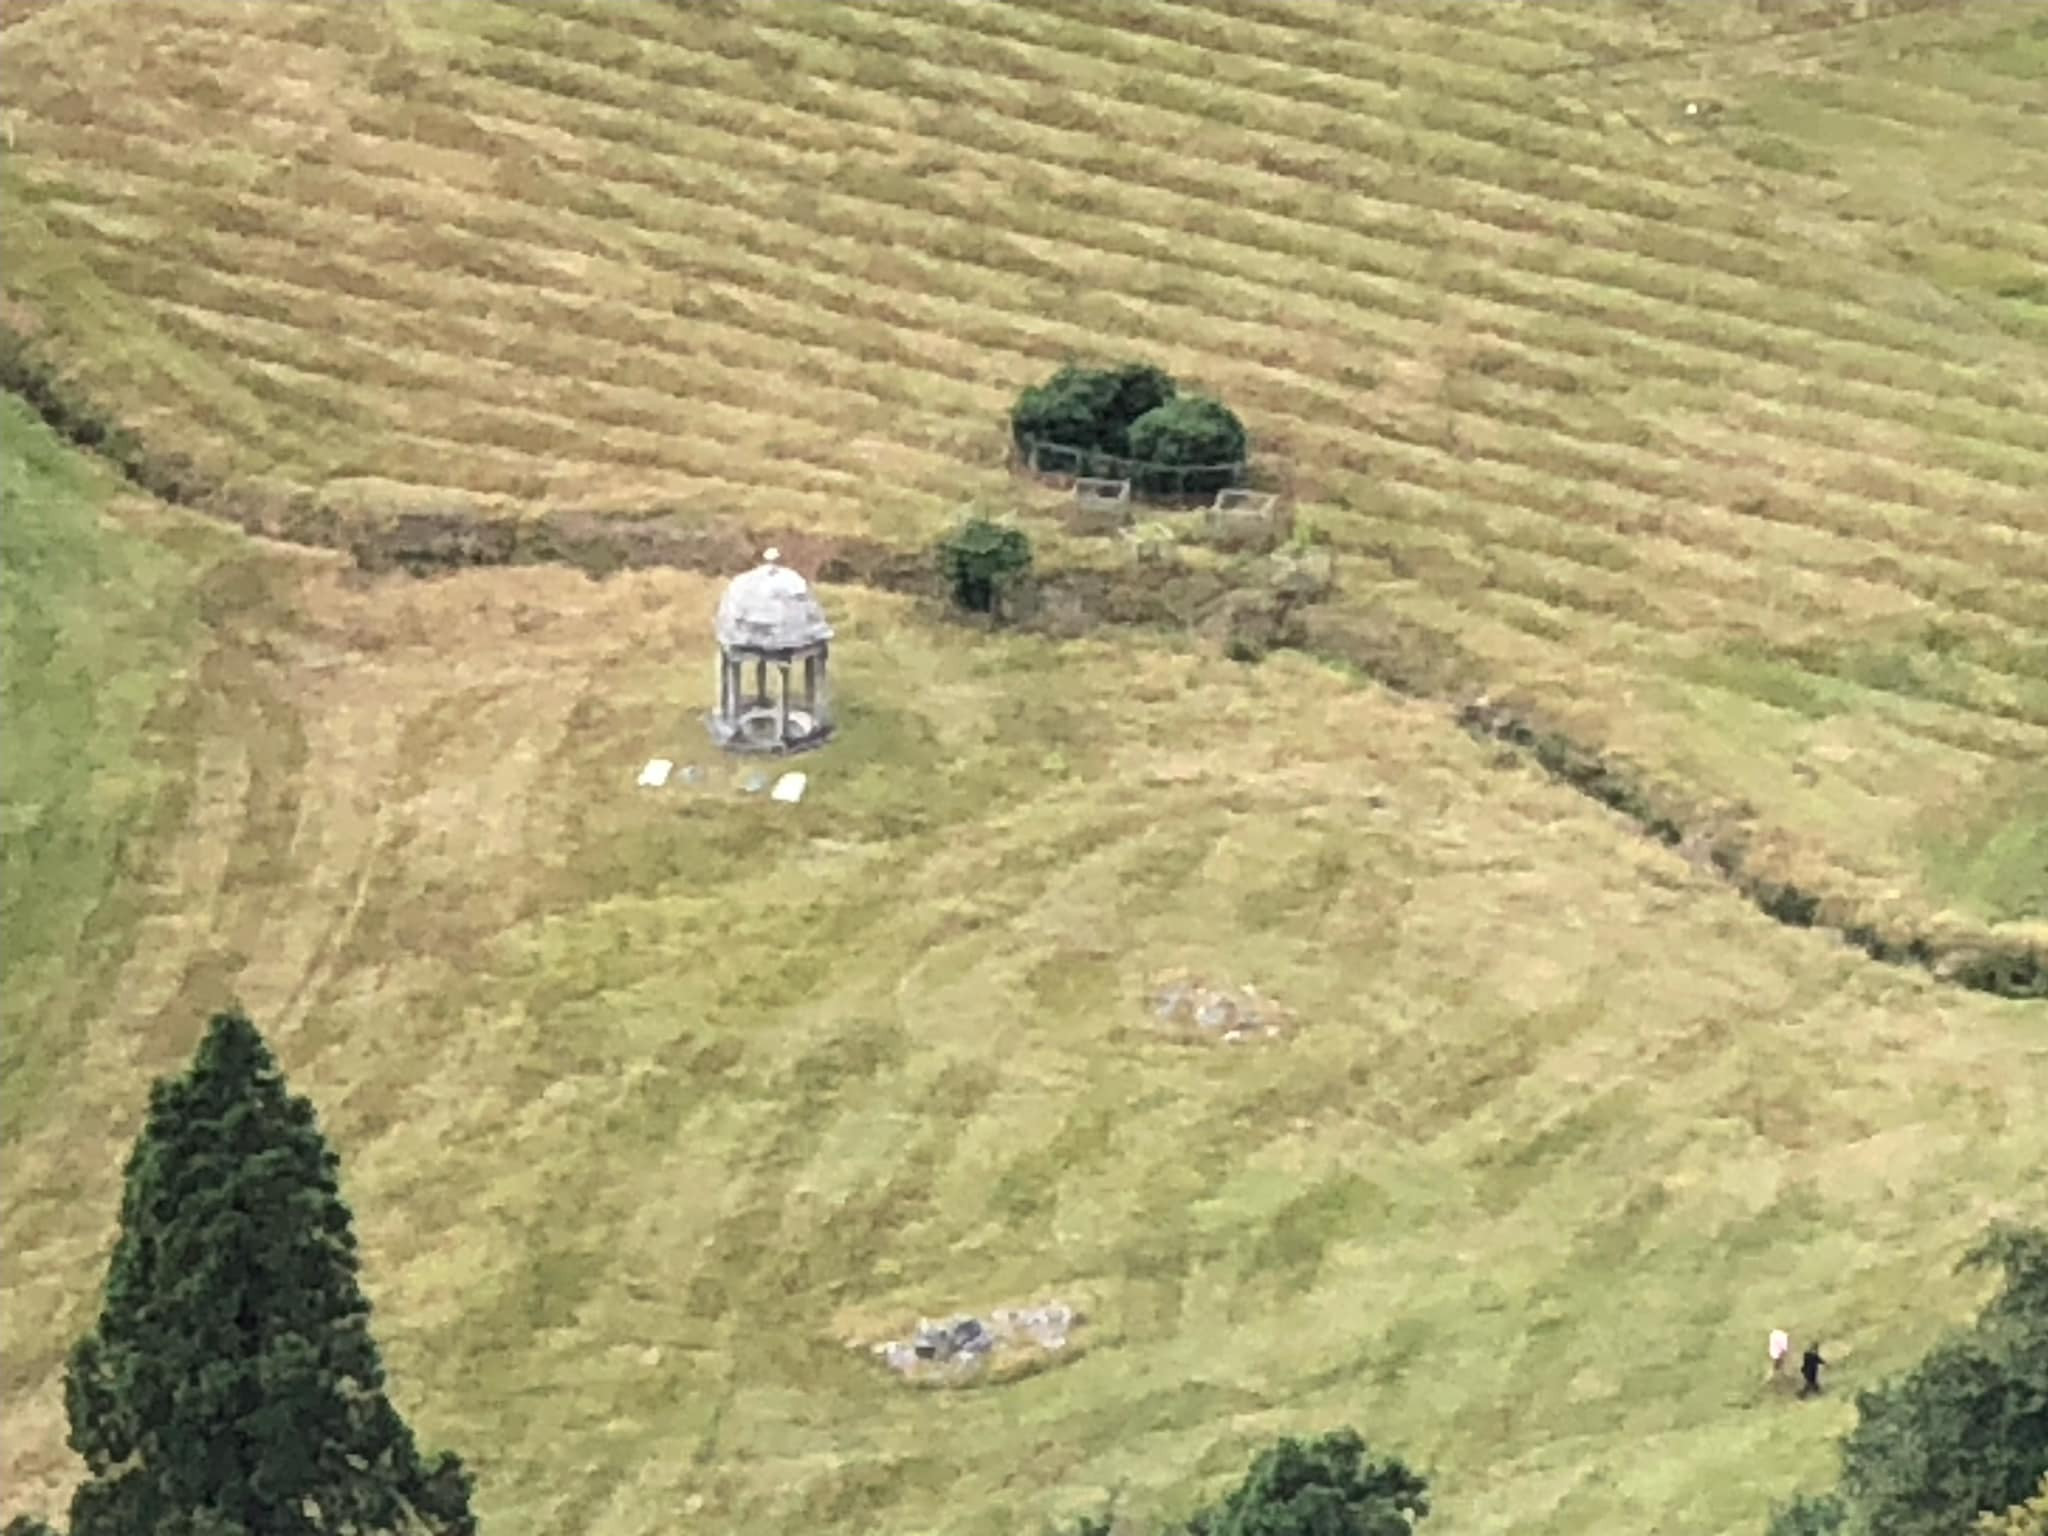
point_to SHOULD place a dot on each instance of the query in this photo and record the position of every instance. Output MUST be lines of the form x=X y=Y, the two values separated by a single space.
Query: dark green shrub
x=1089 y=408
x=1067 y=408
x=1188 y=430
x=1139 y=389
x=1329 y=1486
x=981 y=559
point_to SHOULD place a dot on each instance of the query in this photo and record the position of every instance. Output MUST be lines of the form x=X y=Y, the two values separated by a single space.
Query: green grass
x=99 y=628
x=1716 y=437
x=1991 y=853
x=652 y=1107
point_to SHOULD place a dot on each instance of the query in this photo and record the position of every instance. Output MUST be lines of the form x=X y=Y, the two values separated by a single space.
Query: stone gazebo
x=772 y=642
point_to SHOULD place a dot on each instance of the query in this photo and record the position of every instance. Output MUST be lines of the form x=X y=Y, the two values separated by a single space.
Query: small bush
x=1090 y=408
x=981 y=559
x=1137 y=389
x=1109 y=416
x=1188 y=430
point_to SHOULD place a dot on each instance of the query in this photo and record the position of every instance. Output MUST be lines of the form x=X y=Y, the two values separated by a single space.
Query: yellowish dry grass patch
x=649 y=1102
x=1670 y=414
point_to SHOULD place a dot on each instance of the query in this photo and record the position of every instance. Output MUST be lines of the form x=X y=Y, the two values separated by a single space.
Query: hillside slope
x=652 y=1106
x=1677 y=373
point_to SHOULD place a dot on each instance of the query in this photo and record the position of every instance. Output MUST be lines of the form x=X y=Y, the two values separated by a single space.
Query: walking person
x=1809 y=1370
x=1781 y=1346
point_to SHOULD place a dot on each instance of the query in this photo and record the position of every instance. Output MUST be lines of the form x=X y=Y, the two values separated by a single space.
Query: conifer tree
x=231 y=1386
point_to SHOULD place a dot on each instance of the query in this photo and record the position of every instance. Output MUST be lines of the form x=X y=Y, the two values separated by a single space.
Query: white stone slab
x=789 y=788
x=656 y=773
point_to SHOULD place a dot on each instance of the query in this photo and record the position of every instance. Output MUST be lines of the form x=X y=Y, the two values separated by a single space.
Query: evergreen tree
x=231 y=1386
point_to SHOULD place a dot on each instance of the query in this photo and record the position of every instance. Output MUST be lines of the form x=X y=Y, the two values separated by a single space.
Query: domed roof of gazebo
x=770 y=608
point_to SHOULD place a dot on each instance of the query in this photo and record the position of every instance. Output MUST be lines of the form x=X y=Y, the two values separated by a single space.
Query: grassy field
x=1679 y=370
x=1714 y=436
x=652 y=1105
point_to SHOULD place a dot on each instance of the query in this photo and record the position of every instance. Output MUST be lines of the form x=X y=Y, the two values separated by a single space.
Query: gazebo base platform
x=762 y=732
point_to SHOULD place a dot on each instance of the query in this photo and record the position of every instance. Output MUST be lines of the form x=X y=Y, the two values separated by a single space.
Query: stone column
x=782 y=707
x=822 y=710
x=724 y=686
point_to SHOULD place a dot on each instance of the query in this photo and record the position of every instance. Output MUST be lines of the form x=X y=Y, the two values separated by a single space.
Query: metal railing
x=1147 y=477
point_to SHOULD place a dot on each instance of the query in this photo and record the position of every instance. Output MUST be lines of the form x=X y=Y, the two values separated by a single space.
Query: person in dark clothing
x=1809 y=1370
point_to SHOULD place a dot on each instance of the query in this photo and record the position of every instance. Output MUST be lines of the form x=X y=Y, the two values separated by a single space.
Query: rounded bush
x=980 y=559
x=1189 y=430
x=1089 y=408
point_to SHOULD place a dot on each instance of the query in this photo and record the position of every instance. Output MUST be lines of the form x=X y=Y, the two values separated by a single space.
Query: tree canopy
x=1329 y=1486
x=231 y=1386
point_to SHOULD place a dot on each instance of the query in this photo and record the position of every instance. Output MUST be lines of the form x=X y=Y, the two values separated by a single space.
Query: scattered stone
x=754 y=783
x=1200 y=1011
x=692 y=774
x=656 y=773
x=789 y=788
x=963 y=1349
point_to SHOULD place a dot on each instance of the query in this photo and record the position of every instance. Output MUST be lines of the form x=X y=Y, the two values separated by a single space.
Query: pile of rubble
x=965 y=1347
x=1218 y=1013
